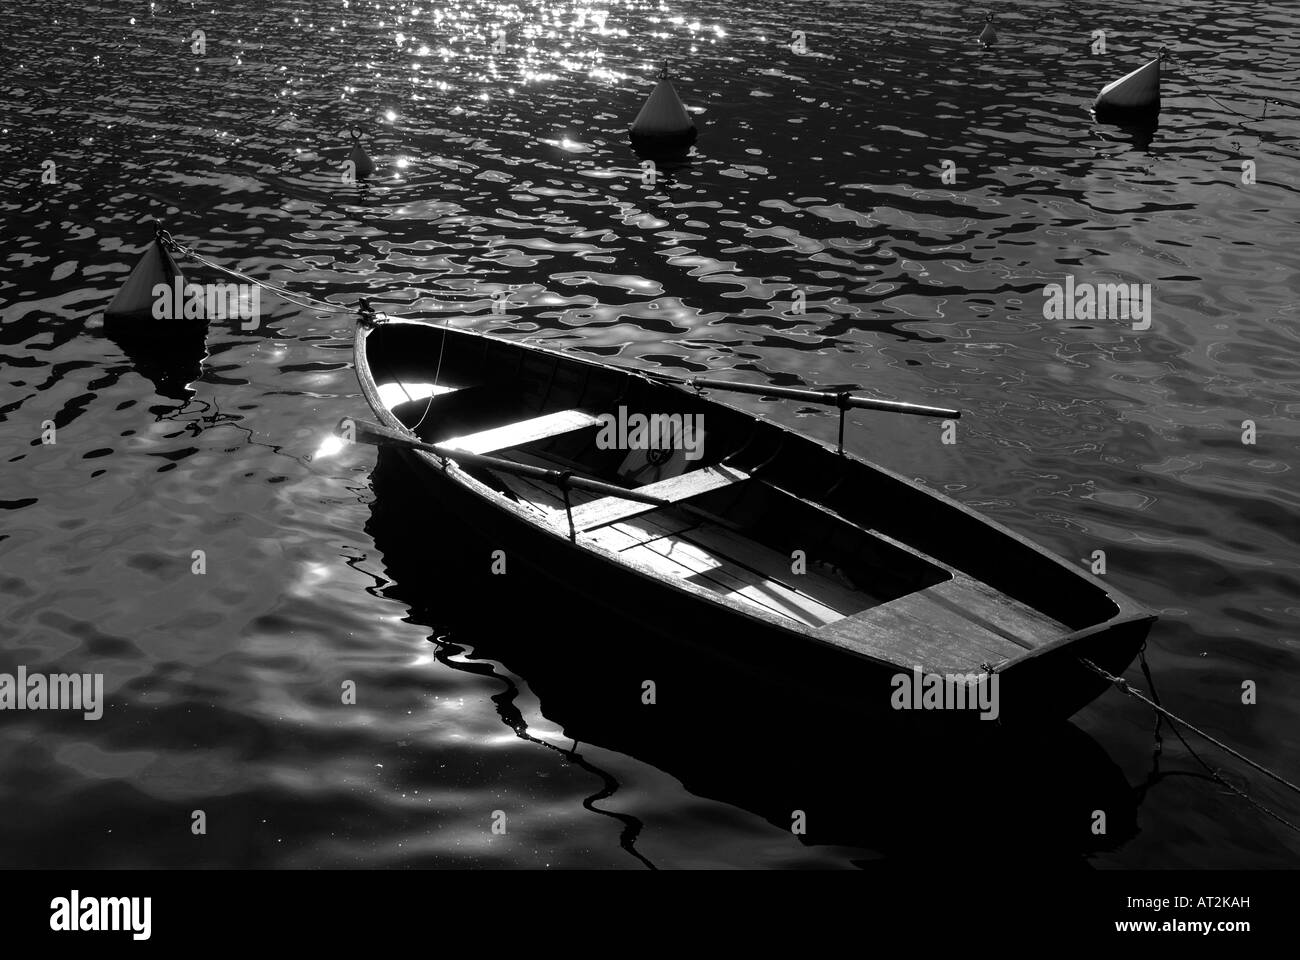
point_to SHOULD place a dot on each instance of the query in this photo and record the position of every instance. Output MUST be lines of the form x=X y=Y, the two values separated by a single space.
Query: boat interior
x=731 y=527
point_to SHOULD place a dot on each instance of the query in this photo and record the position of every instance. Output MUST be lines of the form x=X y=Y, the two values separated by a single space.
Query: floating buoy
x=988 y=34
x=170 y=353
x=663 y=125
x=1134 y=93
x=360 y=159
x=135 y=298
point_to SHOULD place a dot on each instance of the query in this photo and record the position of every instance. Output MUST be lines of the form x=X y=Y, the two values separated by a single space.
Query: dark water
x=509 y=171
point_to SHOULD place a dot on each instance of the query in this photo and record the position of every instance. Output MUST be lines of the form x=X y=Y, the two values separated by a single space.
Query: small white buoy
x=1136 y=92
x=988 y=34
x=663 y=125
x=135 y=298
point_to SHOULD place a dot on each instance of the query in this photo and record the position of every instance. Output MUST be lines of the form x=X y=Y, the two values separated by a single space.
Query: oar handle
x=365 y=431
x=828 y=397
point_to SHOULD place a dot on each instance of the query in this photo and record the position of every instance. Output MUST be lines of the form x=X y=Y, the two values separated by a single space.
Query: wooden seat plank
x=929 y=634
x=1001 y=612
x=522 y=432
x=982 y=643
x=681 y=487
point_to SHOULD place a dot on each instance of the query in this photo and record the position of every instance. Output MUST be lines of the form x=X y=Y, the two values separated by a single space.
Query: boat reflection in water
x=744 y=734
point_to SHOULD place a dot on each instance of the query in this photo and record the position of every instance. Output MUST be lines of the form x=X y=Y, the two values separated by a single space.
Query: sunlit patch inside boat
x=396 y=393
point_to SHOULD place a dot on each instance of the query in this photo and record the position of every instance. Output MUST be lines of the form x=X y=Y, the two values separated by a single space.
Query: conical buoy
x=360 y=159
x=988 y=34
x=1134 y=93
x=135 y=298
x=168 y=352
x=663 y=125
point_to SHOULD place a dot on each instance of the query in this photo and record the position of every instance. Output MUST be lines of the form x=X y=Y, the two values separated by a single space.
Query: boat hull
x=1052 y=686
x=730 y=734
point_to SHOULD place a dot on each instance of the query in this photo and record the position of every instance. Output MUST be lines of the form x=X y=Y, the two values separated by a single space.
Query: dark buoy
x=134 y=301
x=360 y=159
x=170 y=351
x=1135 y=94
x=663 y=126
x=988 y=34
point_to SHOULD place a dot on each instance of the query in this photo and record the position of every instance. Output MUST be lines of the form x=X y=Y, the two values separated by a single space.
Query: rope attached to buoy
x=363 y=311
x=292 y=297
x=1185 y=70
x=295 y=298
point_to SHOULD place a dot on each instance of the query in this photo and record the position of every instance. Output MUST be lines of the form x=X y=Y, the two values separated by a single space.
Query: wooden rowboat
x=770 y=545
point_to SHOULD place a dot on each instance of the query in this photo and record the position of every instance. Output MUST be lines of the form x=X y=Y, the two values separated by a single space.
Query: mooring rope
x=1186 y=71
x=292 y=297
x=1161 y=712
x=1214 y=774
x=295 y=298
x=362 y=310
x=1125 y=687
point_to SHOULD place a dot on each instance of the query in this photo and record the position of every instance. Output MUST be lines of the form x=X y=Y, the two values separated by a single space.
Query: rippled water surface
x=508 y=171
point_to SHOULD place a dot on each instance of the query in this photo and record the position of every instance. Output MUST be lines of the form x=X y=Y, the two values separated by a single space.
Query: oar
x=364 y=431
x=834 y=398
x=842 y=399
